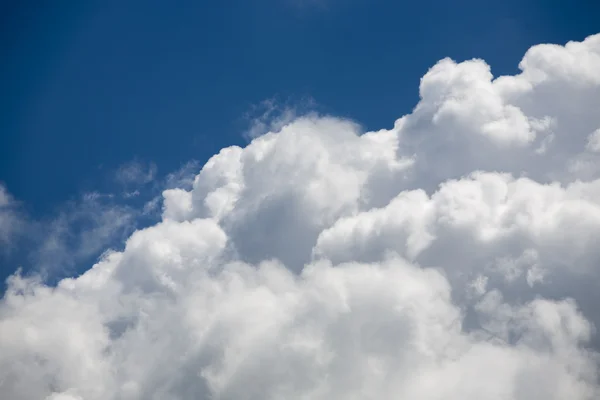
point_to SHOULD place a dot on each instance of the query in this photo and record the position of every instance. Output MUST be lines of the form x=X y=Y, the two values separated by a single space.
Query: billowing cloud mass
x=454 y=256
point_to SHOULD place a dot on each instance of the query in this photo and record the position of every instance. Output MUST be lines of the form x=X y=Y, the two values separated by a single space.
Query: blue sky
x=91 y=86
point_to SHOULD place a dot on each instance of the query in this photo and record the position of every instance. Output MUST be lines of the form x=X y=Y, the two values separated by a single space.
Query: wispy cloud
x=79 y=232
x=272 y=114
x=11 y=220
x=136 y=173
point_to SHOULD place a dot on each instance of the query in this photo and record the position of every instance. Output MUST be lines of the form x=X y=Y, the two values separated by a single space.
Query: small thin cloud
x=272 y=114
x=183 y=177
x=136 y=173
x=11 y=220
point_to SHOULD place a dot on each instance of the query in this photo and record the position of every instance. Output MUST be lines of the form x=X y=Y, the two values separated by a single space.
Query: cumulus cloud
x=453 y=256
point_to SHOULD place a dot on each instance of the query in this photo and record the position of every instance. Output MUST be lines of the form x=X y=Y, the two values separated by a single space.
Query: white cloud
x=454 y=256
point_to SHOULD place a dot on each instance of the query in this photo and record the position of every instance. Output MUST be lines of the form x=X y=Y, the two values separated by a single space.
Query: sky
x=89 y=86
x=297 y=199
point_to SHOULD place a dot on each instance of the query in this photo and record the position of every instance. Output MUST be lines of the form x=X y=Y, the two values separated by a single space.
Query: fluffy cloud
x=453 y=256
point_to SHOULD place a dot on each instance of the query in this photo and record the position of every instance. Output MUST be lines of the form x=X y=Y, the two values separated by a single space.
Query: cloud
x=135 y=173
x=453 y=256
x=11 y=221
x=271 y=115
x=58 y=245
x=593 y=143
x=81 y=230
